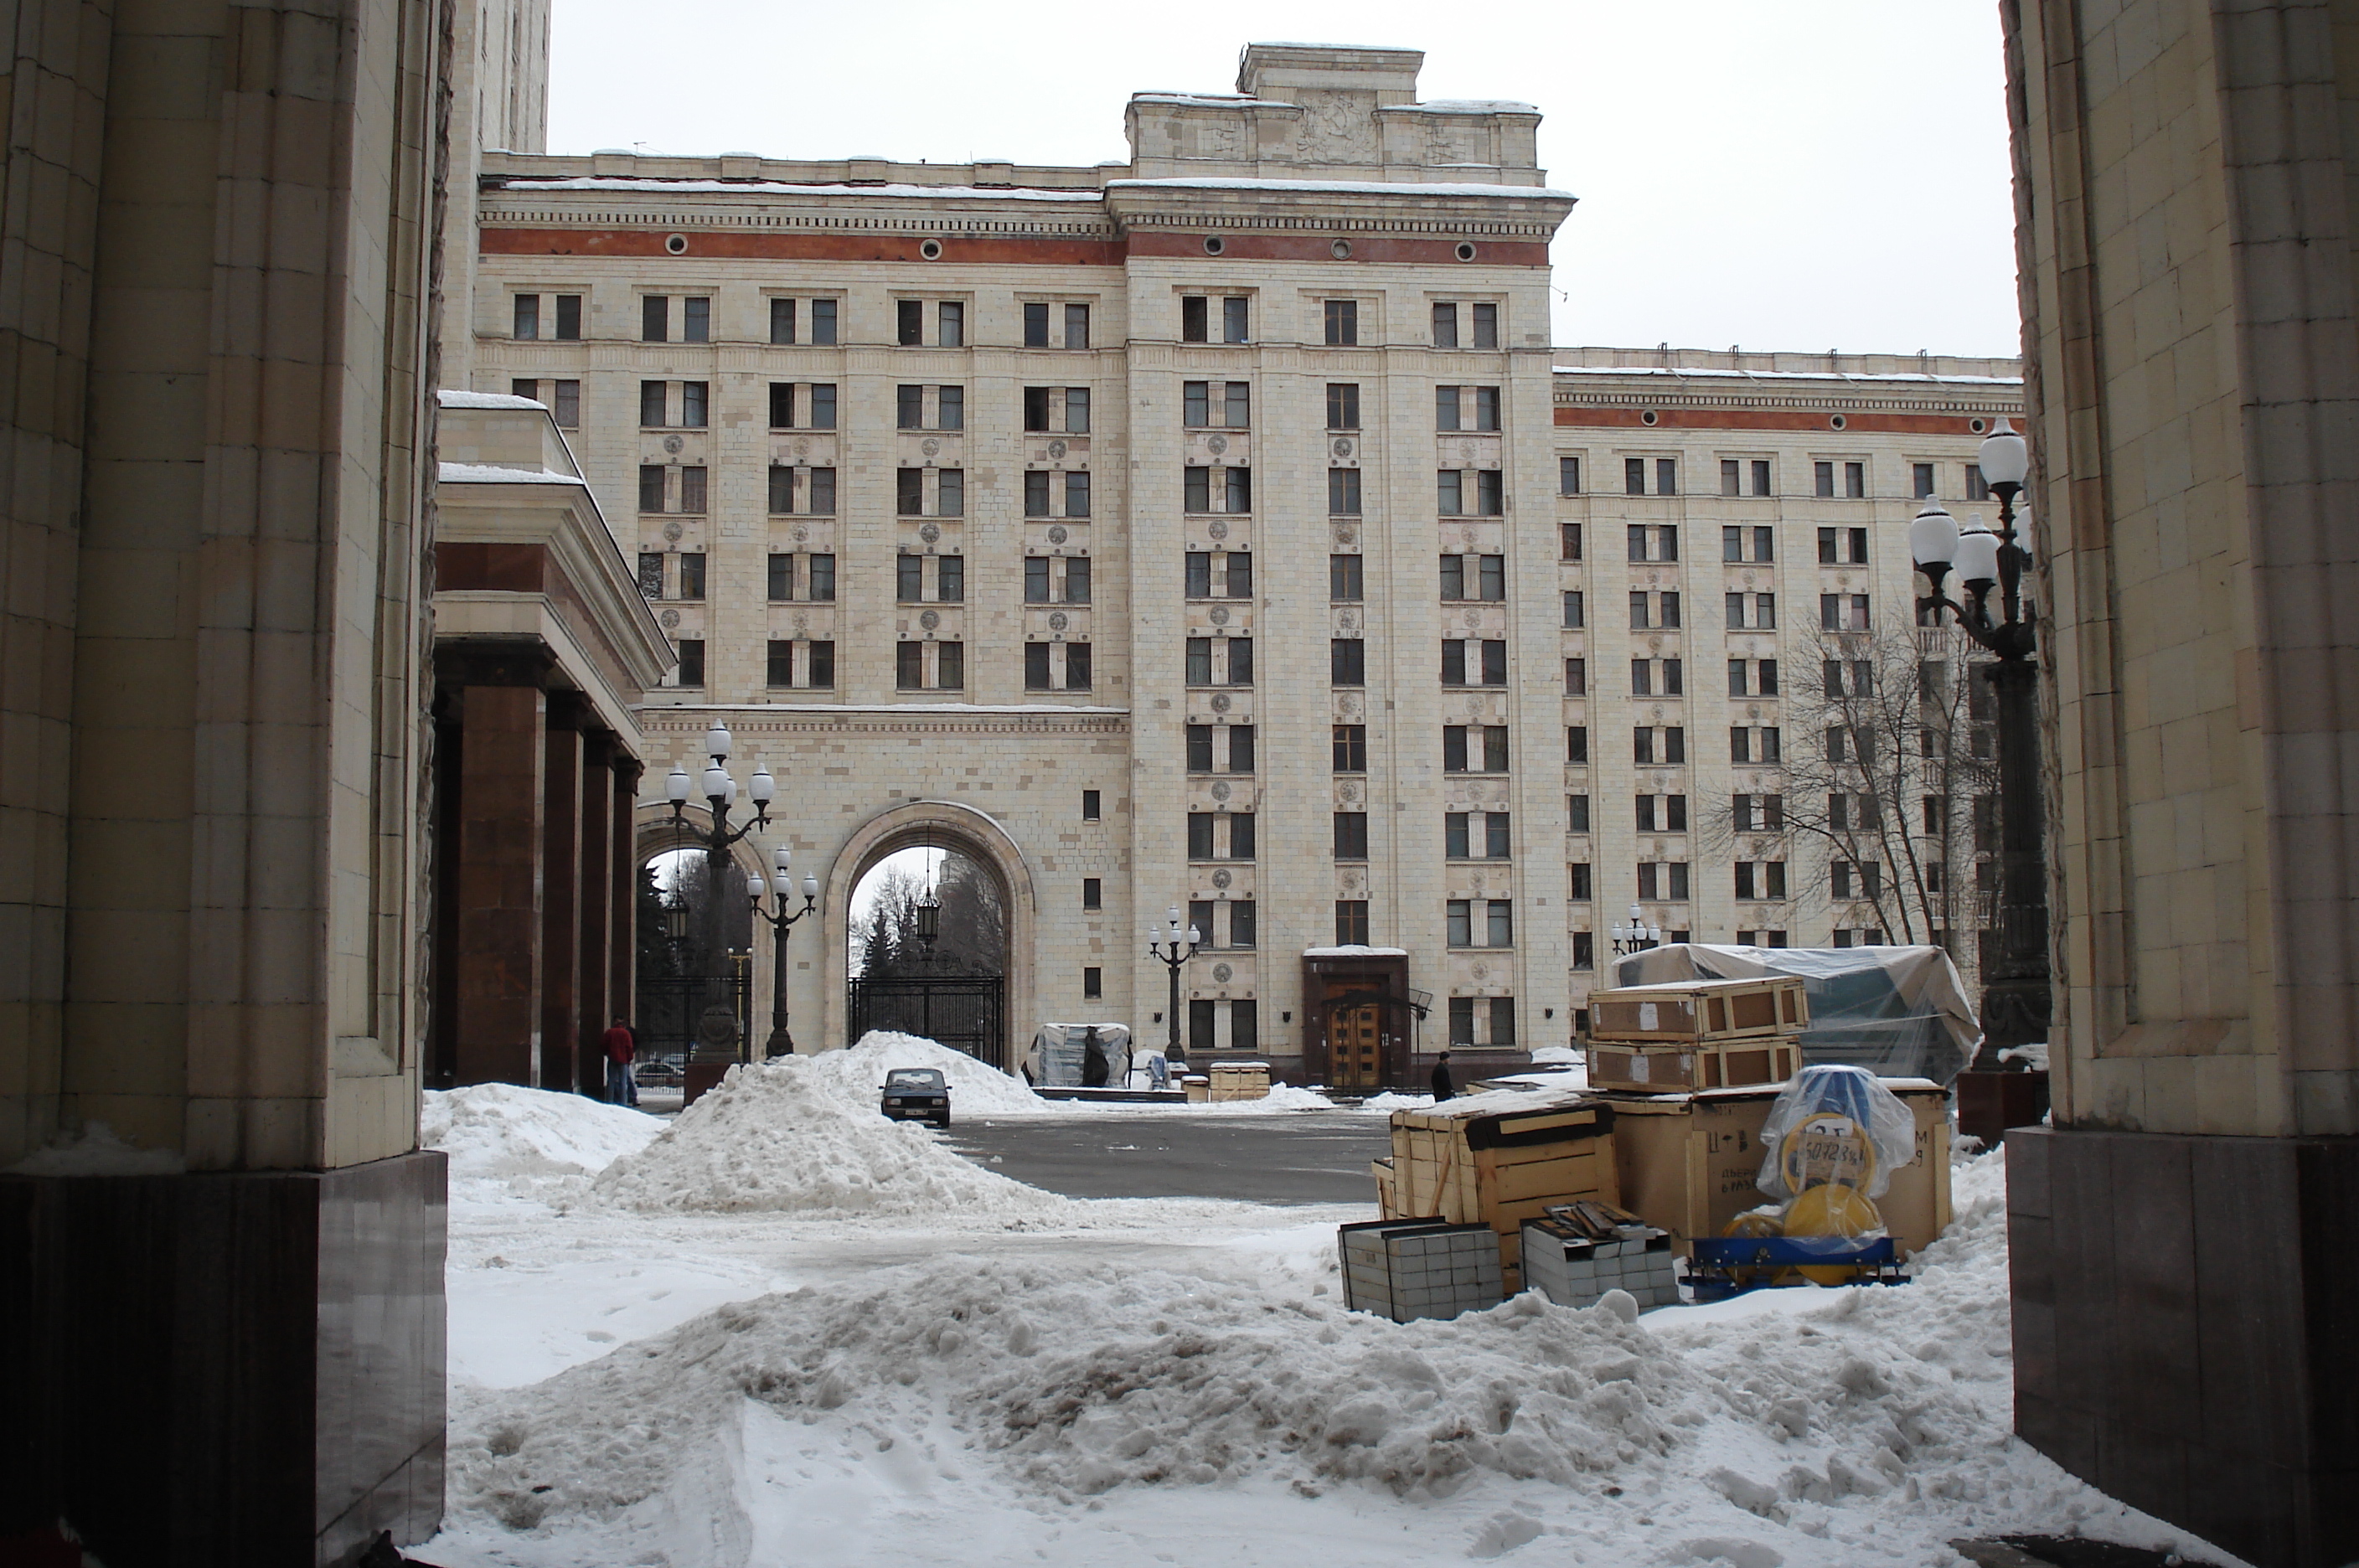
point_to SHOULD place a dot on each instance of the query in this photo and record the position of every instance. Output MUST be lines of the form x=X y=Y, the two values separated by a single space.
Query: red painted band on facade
x=1321 y=248
x=483 y=567
x=1773 y=420
x=709 y=244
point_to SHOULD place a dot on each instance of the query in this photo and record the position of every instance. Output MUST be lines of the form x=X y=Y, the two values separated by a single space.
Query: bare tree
x=1887 y=775
x=971 y=923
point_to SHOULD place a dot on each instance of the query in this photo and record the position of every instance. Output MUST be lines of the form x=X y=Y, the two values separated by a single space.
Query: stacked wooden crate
x=1697 y=1034
x=1239 y=1081
x=1418 y=1268
x=1478 y=1162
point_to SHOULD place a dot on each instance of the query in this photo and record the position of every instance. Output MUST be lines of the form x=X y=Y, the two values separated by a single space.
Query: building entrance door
x=1355 y=1053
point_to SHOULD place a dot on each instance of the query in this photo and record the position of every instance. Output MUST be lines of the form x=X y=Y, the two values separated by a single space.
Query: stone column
x=562 y=885
x=497 y=971
x=596 y=943
x=623 y=926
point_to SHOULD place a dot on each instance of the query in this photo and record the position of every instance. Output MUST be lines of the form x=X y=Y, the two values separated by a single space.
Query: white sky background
x=1793 y=174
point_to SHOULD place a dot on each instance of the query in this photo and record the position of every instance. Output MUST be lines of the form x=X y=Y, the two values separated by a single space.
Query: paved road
x=1304 y=1157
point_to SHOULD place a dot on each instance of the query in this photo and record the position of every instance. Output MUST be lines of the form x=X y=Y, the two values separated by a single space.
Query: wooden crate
x=1689 y=1163
x=1240 y=1081
x=1700 y=1010
x=1498 y=1168
x=1679 y=1069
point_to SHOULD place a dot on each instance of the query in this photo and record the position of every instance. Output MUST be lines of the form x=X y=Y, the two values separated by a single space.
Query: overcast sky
x=1808 y=174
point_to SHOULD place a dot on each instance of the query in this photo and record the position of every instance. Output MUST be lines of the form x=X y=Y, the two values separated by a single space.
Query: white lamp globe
x=2005 y=457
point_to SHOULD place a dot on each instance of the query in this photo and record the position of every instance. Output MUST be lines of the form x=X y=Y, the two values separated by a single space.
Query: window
x=651 y=573
x=1092 y=893
x=1576 y=745
x=1351 y=835
x=1344 y=583
x=1757 y=611
x=1855 y=480
x=1245 y=923
x=1241 y=835
x=1580 y=889
x=653 y=485
x=1568 y=541
x=1238 y=491
x=1239 y=657
x=1347 y=659
x=1667 y=476
x=909 y=322
x=1342 y=405
x=1459 y=922
x=1093 y=976
x=1089 y=813
x=1236 y=318
x=696 y=320
x=1200 y=1028
x=691 y=662
x=1567 y=483
x=1486 y=580
x=1576 y=678
x=1576 y=814
x=1450 y=492
x=692 y=488
x=1462 y=1020
x=820 y=492
x=909 y=407
x=1654 y=542
x=782 y=321
x=653 y=396
x=781 y=488
x=1342 y=322
x=1741 y=543
x=1663 y=881
x=1844 y=612
x=527 y=318
x=1584 y=952
x=1843 y=547
x=1757 y=814
x=1466 y=662
x=1445 y=324
x=1199 y=736
x=1077 y=491
x=950 y=324
x=1661 y=611
x=1241 y=748
x=1342 y=492
x=1755 y=678
x=947 y=660
x=1220 y=661
x=1667 y=747
x=1921 y=475
x=1757 y=879
x=692 y=394
x=1350 y=922
x=654 y=323
x=1351 y=749
x=909 y=491
x=1077 y=326
x=781 y=578
x=1216 y=404
x=1474 y=748
x=782 y=405
x=1486 y=325
x=1977 y=487
x=781 y=662
x=1200 y=835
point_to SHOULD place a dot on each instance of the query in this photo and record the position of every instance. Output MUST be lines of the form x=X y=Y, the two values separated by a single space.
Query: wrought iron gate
x=670 y=1004
x=965 y=1012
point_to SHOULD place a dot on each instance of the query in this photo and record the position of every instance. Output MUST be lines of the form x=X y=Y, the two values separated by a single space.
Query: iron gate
x=670 y=1004
x=964 y=1012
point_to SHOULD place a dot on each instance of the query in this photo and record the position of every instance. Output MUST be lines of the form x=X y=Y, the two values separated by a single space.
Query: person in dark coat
x=1442 y=1087
x=621 y=1047
x=1094 y=1066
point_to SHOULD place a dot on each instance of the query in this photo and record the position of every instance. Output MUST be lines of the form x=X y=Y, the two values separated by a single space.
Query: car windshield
x=913 y=1078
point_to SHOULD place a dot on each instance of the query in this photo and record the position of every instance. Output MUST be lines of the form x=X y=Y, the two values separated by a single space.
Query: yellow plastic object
x=1753 y=1223
x=1831 y=1209
x=1828 y=1148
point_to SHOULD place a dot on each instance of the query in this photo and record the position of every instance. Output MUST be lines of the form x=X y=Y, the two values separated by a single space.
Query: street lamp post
x=780 y=1042
x=717 y=1035
x=2015 y=986
x=1172 y=945
x=1637 y=935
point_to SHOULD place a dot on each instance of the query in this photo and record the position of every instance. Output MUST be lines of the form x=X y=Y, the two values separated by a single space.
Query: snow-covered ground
x=684 y=1344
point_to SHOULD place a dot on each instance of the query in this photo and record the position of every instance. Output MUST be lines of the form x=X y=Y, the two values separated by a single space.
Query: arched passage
x=942 y=824
x=668 y=1000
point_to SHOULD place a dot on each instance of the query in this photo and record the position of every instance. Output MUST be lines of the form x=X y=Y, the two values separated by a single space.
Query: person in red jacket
x=622 y=1087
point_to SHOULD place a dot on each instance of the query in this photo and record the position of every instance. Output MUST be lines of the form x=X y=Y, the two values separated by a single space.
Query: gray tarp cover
x=1900 y=1012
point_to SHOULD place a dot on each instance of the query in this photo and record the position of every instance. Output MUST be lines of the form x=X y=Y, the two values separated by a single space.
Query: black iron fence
x=964 y=1012
x=670 y=1006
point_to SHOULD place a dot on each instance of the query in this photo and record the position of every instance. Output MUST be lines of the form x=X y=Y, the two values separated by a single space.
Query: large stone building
x=1218 y=529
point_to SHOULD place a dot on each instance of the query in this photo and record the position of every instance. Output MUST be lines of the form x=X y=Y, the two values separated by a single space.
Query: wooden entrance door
x=1355 y=1046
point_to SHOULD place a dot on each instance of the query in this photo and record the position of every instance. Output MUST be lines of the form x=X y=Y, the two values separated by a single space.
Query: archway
x=676 y=970
x=955 y=833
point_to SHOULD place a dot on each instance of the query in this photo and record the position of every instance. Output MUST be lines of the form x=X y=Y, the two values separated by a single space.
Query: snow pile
x=504 y=1129
x=1388 y=1102
x=853 y=1077
x=778 y=1137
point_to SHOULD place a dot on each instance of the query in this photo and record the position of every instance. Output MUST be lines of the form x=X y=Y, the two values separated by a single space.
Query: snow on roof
x=1221 y=100
x=784 y=188
x=1788 y=374
x=493 y=473
x=1465 y=106
x=1355 y=950
x=893 y=707
x=454 y=398
x=1339 y=187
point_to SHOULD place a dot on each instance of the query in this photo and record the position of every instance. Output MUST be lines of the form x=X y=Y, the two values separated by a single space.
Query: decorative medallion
x=1657 y=712
x=802 y=449
x=1466 y=537
x=1481 y=971
x=803 y=625
x=672 y=530
x=1477 y=709
x=1221 y=972
x=1347 y=620
x=1747 y=577
x=1473 y=617
x=1349 y=705
x=1752 y=710
x=1220 y=615
x=1057 y=534
x=670 y=619
x=1218 y=529
x=929 y=446
x=1343 y=446
x=1216 y=445
x=1348 y=793
x=673 y=443
x=931 y=619
x=1654 y=645
x=802 y=534
x=1347 y=535
x=1220 y=791
x=929 y=532
x=1222 y=879
x=1221 y=702
x=1058 y=621
x=1055 y=449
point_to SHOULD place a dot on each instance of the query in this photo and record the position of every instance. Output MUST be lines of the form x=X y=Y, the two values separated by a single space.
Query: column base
x=1990 y=1103
x=234 y=1370
x=696 y=1077
x=2183 y=1329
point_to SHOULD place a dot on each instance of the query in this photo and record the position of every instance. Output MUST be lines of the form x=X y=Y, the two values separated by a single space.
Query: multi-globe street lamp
x=1171 y=944
x=1989 y=568
x=717 y=1034
x=780 y=1042
x=1637 y=935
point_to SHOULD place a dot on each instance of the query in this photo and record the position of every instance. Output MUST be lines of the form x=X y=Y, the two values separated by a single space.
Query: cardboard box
x=1498 y=1168
x=1670 y=1069
x=1239 y=1081
x=1699 y=1010
x=1690 y=1163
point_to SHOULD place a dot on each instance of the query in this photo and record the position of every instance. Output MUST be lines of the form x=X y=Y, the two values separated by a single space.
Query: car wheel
x=942 y=1123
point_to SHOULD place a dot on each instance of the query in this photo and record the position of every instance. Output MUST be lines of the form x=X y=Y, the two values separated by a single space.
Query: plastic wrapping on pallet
x=1836 y=1125
x=1900 y=1012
